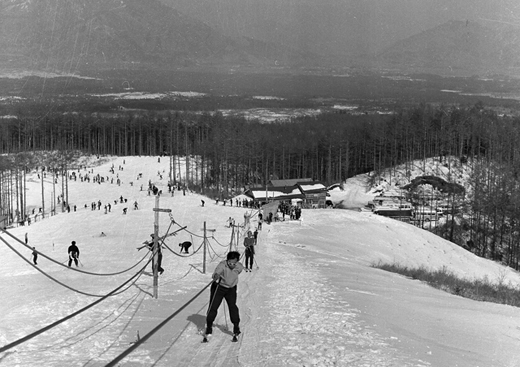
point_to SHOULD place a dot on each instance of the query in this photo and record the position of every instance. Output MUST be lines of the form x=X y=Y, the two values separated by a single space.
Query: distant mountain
x=69 y=35
x=457 y=47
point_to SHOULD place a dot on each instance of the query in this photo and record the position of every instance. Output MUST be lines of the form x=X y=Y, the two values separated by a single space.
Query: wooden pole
x=156 y=250
x=232 y=236
x=238 y=238
x=156 y=246
x=43 y=198
x=53 y=202
x=204 y=252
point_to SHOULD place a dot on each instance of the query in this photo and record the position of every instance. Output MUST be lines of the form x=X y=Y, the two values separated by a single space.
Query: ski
x=206 y=338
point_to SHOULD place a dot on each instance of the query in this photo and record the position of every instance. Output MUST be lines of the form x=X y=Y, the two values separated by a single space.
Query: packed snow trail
x=309 y=324
x=286 y=305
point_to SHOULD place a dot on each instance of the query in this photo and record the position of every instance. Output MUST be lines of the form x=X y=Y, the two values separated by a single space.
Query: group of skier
x=225 y=275
x=225 y=278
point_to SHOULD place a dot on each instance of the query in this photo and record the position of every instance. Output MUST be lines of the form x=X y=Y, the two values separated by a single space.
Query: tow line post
x=156 y=249
x=205 y=246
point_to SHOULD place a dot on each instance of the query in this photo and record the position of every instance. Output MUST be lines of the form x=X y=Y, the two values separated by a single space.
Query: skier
x=150 y=245
x=185 y=246
x=35 y=256
x=249 y=243
x=73 y=253
x=224 y=286
x=260 y=217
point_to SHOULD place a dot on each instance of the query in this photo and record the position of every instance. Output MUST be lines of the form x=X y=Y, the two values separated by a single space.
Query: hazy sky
x=366 y=25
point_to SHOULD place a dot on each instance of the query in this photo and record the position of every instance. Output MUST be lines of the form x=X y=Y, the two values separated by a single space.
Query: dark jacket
x=249 y=243
x=73 y=251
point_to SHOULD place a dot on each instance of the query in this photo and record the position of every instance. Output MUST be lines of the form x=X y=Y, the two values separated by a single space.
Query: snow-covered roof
x=312 y=187
x=282 y=193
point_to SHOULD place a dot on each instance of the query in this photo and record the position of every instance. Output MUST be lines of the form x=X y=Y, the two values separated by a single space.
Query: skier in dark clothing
x=150 y=245
x=224 y=286
x=185 y=246
x=249 y=243
x=35 y=256
x=73 y=253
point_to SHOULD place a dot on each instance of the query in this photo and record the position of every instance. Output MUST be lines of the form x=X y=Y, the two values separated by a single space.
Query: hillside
x=312 y=299
x=457 y=48
x=360 y=189
x=60 y=35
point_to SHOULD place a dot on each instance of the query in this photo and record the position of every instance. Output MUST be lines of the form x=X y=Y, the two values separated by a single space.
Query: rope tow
x=154 y=330
x=205 y=246
x=58 y=322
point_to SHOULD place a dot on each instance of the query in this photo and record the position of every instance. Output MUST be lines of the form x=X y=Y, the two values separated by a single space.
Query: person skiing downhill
x=73 y=253
x=224 y=286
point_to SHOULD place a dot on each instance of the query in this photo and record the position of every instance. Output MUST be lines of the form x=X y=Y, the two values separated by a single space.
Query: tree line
x=329 y=147
x=233 y=154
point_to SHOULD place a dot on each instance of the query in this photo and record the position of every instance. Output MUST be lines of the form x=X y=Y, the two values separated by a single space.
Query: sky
x=342 y=26
x=314 y=297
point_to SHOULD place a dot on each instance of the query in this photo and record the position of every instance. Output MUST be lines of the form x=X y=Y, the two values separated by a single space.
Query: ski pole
x=213 y=298
x=205 y=340
x=254 y=258
x=225 y=316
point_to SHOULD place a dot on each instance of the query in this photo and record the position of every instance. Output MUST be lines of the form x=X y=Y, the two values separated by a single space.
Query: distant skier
x=224 y=286
x=249 y=243
x=73 y=253
x=35 y=256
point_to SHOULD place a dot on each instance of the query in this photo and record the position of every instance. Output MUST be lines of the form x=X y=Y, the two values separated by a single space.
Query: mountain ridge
x=457 y=47
x=67 y=36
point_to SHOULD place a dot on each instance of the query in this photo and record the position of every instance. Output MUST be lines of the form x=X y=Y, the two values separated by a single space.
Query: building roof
x=312 y=187
x=275 y=193
x=288 y=182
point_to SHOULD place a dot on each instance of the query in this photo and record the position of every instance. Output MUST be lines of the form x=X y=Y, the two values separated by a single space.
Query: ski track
x=308 y=311
x=299 y=315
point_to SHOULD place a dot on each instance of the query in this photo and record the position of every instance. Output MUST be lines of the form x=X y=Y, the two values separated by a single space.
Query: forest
x=227 y=155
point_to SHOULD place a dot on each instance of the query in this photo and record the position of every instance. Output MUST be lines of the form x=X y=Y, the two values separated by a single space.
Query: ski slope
x=313 y=299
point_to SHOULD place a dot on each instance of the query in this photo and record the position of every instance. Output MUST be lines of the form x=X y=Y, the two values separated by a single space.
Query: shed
x=315 y=193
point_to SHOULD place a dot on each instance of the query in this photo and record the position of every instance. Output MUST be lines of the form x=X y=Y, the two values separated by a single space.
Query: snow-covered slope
x=313 y=298
x=357 y=191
